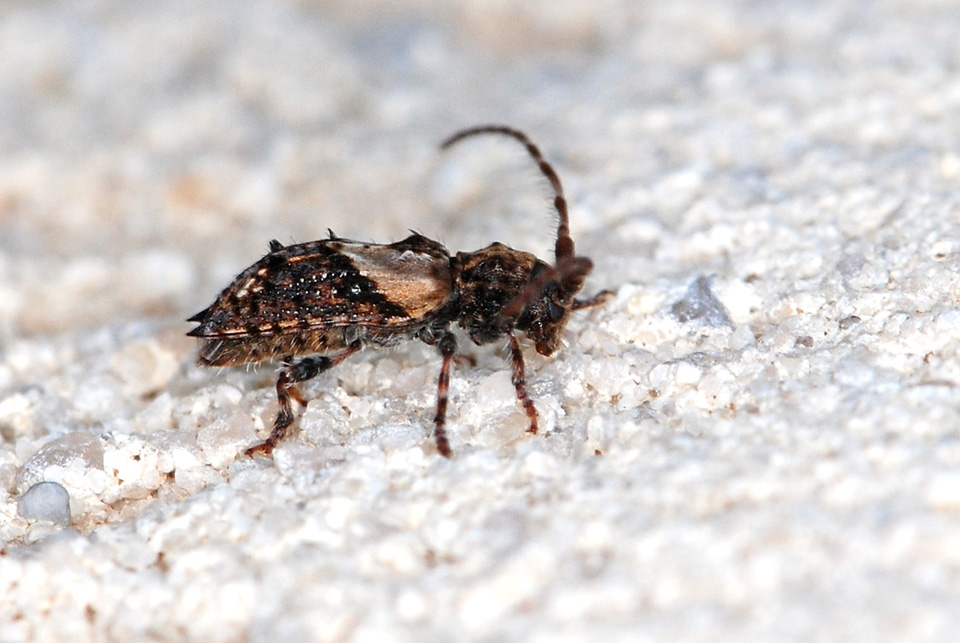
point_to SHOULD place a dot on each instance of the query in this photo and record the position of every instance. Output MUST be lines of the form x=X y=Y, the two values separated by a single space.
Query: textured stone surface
x=790 y=472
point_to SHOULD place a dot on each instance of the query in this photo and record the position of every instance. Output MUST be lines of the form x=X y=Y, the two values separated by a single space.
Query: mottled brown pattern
x=318 y=297
x=489 y=279
x=323 y=301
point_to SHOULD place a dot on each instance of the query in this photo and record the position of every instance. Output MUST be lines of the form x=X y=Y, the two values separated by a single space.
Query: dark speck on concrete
x=699 y=303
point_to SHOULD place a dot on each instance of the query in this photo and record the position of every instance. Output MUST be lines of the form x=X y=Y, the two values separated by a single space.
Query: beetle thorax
x=488 y=280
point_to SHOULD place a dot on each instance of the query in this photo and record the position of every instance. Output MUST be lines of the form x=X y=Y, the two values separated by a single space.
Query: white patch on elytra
x=247 y=288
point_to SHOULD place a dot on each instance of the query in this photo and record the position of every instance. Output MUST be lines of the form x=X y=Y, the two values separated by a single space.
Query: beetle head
x=547 y=300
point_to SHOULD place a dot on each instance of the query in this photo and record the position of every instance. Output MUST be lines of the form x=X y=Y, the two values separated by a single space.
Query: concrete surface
x=756 y=439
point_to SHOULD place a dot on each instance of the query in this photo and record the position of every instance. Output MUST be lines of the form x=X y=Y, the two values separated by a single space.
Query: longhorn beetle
x=312 y=305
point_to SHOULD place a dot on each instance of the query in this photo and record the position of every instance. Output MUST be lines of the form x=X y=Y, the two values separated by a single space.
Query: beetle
x=312 y=305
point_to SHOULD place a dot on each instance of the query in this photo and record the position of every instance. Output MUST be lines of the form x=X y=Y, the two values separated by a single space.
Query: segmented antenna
x=564 y=247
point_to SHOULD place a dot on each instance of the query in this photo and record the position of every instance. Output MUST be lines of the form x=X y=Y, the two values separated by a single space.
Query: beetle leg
x=290 y=376
x=520 y=383
x=448 y=347
x=596 y=300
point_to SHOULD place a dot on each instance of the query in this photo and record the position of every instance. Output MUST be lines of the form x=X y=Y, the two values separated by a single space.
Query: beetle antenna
x=564 y=247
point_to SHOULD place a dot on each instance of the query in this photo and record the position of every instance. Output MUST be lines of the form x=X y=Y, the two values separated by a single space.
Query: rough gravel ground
x=757 y=438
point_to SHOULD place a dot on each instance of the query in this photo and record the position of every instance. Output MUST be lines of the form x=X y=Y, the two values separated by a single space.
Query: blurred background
x=148 y=151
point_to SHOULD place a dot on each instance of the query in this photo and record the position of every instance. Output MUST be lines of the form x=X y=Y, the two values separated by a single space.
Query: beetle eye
x=555 y=312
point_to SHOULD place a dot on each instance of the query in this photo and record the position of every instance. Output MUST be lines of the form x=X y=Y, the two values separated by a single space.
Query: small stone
x=47 y=501
x=848 y=322
x=699 y=303
x=145 y=367
x=75 y=449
